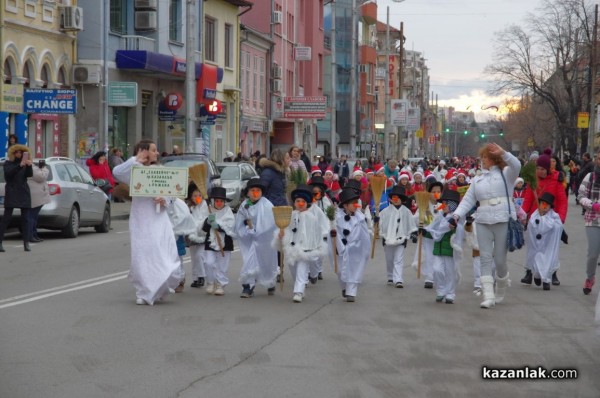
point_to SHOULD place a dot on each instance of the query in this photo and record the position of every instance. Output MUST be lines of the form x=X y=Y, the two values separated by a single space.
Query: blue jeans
x=33 y=219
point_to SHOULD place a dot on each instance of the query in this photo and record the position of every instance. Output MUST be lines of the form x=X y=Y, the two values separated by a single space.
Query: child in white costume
x=219 y=227
x=353 y=241
x=545 y=229
x=397 y=226
x=183 y=225
x=254 y=227
x=320 y=204
x=199 y=211
x=302 y=241
x=447 y=248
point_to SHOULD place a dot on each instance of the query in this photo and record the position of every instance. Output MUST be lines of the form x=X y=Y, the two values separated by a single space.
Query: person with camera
x=40 y=195
x=101 y=173
x=16 y=170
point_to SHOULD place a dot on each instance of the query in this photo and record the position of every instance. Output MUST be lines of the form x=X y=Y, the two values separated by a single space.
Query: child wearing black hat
x=447 y=250
x=545 y=229
x=397 y=226
x=320 y=204
x=353 y=243
x=300 y=242
x=219 y=227
x=255 y=225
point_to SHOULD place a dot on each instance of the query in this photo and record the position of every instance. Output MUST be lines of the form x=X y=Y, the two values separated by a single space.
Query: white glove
x=586 y=202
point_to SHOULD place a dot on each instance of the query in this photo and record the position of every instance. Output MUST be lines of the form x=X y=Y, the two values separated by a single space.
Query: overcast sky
x=457 y=39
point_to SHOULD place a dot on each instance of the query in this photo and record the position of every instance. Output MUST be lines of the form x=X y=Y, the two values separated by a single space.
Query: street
x=70 y=328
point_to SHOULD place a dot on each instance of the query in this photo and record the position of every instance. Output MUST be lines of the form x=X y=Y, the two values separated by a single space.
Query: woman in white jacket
x=40 y=195
x=500 y=170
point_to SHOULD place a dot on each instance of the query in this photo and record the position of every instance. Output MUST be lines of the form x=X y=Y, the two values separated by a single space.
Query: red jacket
x=551 y=185
x=102 y=171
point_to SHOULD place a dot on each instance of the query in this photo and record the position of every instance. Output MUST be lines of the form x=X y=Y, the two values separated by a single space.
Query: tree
x=547 y=62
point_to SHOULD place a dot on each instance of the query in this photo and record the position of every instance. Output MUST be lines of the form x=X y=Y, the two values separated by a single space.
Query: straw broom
x=198 y=174
x=423 y=205
x=330 y=212
x=283 y=217
x=377 y=187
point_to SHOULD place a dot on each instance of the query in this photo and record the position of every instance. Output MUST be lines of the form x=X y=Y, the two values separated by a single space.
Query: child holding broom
x=199 y=211
x=353 y=241
x=397 y=225
x=219 y=223
x=320 y=204
x=299 y=242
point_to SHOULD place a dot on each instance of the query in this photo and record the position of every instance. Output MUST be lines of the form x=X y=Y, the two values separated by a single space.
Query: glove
x=564 y=237
x=413 y=237
x=211 y=218
x=376 y=219
x=452 y=222
x=214 y=225
x=469 y=220
x=596 y=207
x=333 y=233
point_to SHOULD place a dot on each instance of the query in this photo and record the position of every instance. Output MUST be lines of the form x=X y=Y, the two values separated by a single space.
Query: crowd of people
x=334 y=218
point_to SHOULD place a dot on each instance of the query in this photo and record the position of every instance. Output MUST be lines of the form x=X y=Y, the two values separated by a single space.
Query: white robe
x=199 y=212
x=154 y=270
x=352 y=256
x=542 y=254
x=306 y=234
x=259 y=258
x=226 y=221
x=396 y=225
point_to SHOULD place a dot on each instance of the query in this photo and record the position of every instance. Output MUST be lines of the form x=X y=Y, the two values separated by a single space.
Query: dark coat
x=273 y=176
x=17 y=190
x=586 y=168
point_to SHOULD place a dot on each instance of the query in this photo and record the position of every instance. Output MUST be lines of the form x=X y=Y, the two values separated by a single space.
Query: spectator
x=342 y=169
x=273 y=177
x=99 y=170
x=391 y=169
x=12 y=140
x=40 y=195
x=229 y=156
x=305 y=159
x=295 y=162
x=176 y=150
x=322 y=164
x=115 y=158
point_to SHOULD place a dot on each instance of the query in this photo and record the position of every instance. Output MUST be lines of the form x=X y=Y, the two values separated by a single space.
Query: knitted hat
x=544 y=159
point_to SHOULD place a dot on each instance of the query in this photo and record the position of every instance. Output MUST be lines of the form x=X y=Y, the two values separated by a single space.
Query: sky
x=457 y=39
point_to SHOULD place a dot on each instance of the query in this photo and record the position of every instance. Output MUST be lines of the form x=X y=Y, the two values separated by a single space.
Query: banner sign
x=159 y=181
x=12 y=98
x=304 y=107
x=39 y=100
x=399 y=108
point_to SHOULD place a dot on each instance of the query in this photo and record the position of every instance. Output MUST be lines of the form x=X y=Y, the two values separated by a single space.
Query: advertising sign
x=398 y=114
x=41 y=100
x=122 y=93
x=304 y=107
x=159 y=181
x=12 y=98
x=302 y=54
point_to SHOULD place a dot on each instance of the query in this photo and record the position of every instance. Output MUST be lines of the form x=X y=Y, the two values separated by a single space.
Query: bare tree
x=548 y=61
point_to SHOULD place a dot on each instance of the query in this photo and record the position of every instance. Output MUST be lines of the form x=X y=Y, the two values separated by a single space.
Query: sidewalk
x=119 y=211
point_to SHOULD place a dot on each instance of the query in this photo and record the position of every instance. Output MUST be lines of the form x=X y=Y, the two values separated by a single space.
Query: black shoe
x=201 y=281
x=26 y=246
x=246 y=292
x=344 y=293
x=195 y=283
x=320 y=276
x=526 y=280
x=2 y=248
x=313 y=280
x=555 y=280
x=546 y=286
x=270 y=291
x=428 y=285
x=449 y=301
x=36 y=240
x=537 y=281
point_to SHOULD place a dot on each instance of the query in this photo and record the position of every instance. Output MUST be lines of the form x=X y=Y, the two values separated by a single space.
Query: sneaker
x=320 y=276
x=399 y=285
x=350 y=299
x=219 y=290
x=537 y=281
x=140 y=301
x=297 y=298
x=546 y=286
x=587 y=286
x=271 y=291
x=390 y=282
x=246 y=292
x=449 y=301
x=428 y=285
x=439 y=299
x=555 y=280
x=526 y=280
x=477 y=291
x=194 y=283
x=313 y=280
x=201 y=281
x=210 y=288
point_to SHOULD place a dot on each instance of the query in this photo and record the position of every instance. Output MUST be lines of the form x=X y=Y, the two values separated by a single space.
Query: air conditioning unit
x=87 y=74
x=277 y=71
x=71 y=18
x=146 y=4
x=145 y=20
x=277 y=17
x=277 y=85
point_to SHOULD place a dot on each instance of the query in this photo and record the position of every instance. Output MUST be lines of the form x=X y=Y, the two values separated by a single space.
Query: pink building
x=294 y=26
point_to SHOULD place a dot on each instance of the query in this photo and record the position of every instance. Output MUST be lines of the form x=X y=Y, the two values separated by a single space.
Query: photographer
x=40 y=195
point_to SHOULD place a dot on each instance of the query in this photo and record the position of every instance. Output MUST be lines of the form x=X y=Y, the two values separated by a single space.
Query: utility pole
x=592 y=125
x=353 y=85
x=388 y=109
x=190 y=76
x=400 y=90
x=333 y=97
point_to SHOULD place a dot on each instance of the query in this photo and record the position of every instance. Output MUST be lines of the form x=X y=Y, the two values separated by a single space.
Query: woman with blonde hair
x=500 y=170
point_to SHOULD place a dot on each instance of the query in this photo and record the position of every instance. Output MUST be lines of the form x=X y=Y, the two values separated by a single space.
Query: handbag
x=515 y=237
x=104 y=185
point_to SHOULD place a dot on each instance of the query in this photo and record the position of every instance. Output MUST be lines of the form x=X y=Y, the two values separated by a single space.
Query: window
x=262 y=85
x=175 y=23
x=228 y=46
x=118 y=16
x=255 y=83
x=210 y=40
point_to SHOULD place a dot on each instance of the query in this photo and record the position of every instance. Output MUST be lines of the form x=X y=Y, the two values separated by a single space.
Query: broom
x=423 y=205
x=377 y=187
x=283 y=217
x=330 y=212
x=198 y=174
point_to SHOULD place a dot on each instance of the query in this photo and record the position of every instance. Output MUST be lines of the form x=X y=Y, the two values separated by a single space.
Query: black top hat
x=354 y=185
x=347 y=195
x=318 y=181
x=400 y=191
x=434 y=184
x=450 y=195
x=256 y=183
x=218 y=193
x=548 y=198
x=304 y=192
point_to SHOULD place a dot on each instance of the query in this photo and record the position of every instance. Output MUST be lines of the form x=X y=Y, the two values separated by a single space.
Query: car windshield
x=229 y=172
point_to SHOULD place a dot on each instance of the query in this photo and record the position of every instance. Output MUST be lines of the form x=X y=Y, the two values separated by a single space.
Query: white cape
x=542 y=254
x=353 y=256
x=396 y=225
x=306 y=234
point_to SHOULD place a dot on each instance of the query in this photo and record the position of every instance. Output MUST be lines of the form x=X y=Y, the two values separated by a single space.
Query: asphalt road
x=70 y=328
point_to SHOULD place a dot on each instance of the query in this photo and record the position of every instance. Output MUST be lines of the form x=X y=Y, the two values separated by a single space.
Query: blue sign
x=164 y=114
x=41 y=100
x=210 y=93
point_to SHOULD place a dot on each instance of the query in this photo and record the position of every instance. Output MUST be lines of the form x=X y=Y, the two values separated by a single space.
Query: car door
x=95 y=198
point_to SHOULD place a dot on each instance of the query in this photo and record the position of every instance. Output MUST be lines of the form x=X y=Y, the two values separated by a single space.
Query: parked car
x=234 y=177
x=191 y=159
x=75 y=201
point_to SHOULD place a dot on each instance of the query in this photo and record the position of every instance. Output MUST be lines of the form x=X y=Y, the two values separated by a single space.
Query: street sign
x=583 y=120
x=122 y=94
x=40 y=100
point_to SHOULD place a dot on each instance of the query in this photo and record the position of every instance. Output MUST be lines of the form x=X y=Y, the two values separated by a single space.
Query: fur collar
x=269 y=164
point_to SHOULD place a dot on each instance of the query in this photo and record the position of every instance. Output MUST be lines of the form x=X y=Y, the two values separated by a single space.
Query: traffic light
x=466 y=132
x=501 y=133
x=482 y=135
x=447 y=129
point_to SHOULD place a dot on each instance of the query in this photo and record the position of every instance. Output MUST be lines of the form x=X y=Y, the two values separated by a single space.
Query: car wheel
x=71 y=230
x=105 y=226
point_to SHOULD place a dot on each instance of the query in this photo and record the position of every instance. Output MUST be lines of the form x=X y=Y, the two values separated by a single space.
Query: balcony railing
x=130 y=42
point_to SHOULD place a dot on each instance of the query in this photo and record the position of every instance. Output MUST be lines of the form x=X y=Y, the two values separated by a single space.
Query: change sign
x=39 y=100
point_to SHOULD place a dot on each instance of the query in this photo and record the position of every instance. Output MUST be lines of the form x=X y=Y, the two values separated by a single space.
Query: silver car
x=75 y=201
x=234 y=177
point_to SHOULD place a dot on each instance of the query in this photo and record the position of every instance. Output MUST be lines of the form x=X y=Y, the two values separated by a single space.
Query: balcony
x=138 y=43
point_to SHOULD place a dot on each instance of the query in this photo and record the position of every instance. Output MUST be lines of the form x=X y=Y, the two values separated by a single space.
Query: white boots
x=501 y=285
x=489 y=299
